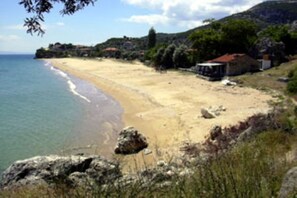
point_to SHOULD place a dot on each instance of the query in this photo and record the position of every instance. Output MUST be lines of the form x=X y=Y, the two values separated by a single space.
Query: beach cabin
x=236 y=64
x=226 y=65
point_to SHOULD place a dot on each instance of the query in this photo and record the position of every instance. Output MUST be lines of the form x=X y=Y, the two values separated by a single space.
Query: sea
x=46 y=111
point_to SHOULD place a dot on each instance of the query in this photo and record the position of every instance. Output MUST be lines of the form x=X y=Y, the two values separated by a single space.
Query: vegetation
x=39 y=7
x=152 y=38
x=234 y=36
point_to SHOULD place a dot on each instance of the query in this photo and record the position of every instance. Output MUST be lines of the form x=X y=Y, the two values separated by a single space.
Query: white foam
x=72 y=86
x=73 y=90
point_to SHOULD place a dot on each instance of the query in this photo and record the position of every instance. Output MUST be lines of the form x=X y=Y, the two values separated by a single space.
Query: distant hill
x=264 y=14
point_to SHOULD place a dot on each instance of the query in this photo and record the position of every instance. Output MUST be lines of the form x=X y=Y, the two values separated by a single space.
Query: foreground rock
x=212 y=112
x=130 y=141
x=48 y=170
x=289 y=185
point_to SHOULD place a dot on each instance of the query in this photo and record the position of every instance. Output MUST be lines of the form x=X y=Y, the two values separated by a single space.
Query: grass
x=268 y=79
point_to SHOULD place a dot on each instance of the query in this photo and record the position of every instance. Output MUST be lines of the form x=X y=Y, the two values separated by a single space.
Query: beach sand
x=165 y=107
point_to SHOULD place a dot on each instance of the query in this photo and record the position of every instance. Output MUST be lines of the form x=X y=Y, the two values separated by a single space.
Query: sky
x=110 y=18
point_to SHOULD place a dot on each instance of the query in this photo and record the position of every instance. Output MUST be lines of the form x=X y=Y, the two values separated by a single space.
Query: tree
x=39 y=7
x=159 y=56
x=233 y=36
x=207 y=43
x=238 y=35
x=167 y=59
x=180 y=57
x=152 y=38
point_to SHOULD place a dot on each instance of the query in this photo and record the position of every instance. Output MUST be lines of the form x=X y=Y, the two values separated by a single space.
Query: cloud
x=4 y=38
x=60 y=24
x=15 y=27
x=188 y=13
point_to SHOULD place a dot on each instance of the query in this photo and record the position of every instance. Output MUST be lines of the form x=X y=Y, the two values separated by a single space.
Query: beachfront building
x=111 y=52
x=227 y=65
x=210 y=71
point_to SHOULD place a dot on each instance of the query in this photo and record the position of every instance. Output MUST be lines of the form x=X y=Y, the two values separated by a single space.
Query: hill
x=263 y=14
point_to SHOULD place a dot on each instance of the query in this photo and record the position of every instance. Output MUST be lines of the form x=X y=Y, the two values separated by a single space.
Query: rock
x=130 y=141
x=246 y=134
x=206 y=113
x=212 y=112
x=48 y=170
x=215 y=132
x=289 y=185
x=147 y=151
x=161 y=163
x=186 y=173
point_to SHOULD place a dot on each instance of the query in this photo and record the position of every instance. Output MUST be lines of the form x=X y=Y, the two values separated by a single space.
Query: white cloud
x=5 y=38
x=149 y=19
x=16 y=27
x=189 y=13
x=60 y=24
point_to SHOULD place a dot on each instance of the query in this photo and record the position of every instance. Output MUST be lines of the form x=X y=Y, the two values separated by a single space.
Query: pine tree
x=152 y=38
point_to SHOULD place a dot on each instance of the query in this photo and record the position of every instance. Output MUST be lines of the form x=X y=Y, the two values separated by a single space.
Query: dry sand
x=165 y=107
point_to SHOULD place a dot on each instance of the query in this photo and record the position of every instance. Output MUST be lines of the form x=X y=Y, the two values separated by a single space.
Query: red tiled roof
x=111 y=49
x=225 y=58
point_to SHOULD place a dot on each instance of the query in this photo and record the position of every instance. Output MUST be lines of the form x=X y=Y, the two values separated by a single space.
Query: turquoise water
x=45 y=111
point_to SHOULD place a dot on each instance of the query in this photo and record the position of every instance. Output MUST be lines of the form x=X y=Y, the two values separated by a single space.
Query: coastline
x=166 y=107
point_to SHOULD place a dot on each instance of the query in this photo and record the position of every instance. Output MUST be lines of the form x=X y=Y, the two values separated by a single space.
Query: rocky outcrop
x=289 y=185
x=130 y=141
x=48 y=170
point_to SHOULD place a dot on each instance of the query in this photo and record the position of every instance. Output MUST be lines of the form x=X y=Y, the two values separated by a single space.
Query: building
x=265 y=62
x=226 y=65
x=111 y=52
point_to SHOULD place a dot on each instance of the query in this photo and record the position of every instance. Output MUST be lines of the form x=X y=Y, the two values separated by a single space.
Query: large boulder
x=130 y=141
x=48 y=170
x=289 y=185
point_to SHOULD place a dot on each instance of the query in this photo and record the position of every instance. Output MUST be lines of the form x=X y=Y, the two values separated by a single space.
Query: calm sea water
x=45 y=111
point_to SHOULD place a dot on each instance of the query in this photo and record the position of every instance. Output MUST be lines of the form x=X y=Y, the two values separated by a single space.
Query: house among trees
x=227 y=65
x=111 y=52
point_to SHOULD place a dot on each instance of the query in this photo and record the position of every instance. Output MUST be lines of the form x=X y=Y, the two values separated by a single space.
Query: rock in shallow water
x=130 y=141
x=72 y=170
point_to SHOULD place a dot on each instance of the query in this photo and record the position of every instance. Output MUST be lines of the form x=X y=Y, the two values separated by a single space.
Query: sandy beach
x=165 y=107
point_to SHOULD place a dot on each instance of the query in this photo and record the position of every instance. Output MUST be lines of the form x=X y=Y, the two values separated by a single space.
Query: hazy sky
x=110 y=18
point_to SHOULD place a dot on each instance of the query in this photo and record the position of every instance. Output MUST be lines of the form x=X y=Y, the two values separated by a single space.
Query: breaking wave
x=71 y=85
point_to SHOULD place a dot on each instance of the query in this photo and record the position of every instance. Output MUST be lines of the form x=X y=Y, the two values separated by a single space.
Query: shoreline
x=165 y=107
x=101 y=118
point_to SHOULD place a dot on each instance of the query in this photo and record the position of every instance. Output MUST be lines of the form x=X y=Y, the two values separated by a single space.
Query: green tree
x=39 y=7
x=152 y=38
x=159 y=56
x=207 y=43
x=167 y=59
x=180 y=57
x=238 y=35
x=233 y=36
